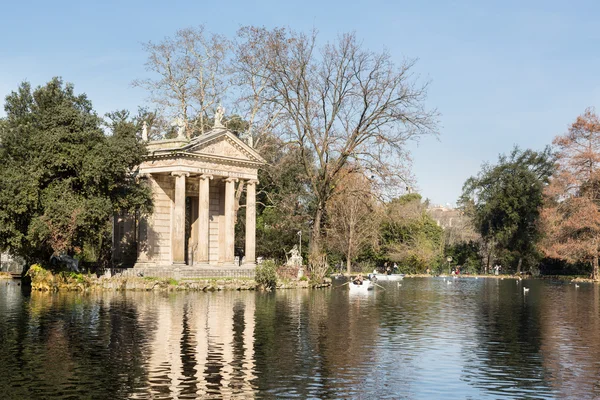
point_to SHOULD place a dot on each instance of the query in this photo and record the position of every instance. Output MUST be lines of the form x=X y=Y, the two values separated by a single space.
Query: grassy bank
x=45 y=280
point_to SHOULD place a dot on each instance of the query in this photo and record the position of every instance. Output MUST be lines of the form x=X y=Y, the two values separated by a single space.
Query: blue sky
x=502 y=73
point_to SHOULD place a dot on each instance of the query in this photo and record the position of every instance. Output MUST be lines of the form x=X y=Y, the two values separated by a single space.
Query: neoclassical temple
x=194 y=184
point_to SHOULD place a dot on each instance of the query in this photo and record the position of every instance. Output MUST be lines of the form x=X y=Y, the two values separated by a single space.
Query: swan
x=525 y=289
x=576 y=285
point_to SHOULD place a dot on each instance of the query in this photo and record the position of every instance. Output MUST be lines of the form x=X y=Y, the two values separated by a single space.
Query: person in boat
x=358 y=280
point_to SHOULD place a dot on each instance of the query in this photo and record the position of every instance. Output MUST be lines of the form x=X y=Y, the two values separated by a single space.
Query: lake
x=426 y=339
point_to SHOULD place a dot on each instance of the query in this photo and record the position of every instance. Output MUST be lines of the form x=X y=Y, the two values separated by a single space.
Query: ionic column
x=229 y=220
x=251 y=223
x=178 y=223
x=203 y=221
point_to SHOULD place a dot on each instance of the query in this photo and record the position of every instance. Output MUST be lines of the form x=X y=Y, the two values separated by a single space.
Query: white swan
x=525 y=289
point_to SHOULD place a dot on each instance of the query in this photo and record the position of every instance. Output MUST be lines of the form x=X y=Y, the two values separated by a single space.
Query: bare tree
x=339 y=104
x=192 y=75
x=251 y=78
x=354 y=215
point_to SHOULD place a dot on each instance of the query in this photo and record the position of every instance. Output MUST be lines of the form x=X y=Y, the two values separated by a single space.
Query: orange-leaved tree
x=571 y=215
x=353 y=216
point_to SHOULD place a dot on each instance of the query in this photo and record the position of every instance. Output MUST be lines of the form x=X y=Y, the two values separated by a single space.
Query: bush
x=41 y=279
x=266 y=274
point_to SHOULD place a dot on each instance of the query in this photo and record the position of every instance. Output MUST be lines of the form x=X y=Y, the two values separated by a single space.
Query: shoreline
x=43 y=280
x=565 y=278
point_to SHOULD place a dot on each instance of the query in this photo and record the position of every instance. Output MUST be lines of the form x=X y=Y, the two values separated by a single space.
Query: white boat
x=361 y=288
x=385 y=277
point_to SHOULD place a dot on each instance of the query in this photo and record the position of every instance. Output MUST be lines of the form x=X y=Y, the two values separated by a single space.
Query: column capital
x=205 y=176
x=252 y=182
x=180 y=173
x=231 y=179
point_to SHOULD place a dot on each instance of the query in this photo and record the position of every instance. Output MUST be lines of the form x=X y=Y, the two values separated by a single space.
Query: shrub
x=266 y=274
x=172 y=282
x=41 y=279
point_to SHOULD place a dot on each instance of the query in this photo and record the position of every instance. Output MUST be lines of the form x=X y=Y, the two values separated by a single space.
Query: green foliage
x=44 y=279
x=173 y=282
x=266 y=274
x=504 y=201
x=282 y=203
x=410 y=236
x=61 y=176
x=465 y=254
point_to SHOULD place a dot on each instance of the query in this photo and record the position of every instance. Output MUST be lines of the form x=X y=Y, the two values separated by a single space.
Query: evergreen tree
x=61 y=176
x=504 y=201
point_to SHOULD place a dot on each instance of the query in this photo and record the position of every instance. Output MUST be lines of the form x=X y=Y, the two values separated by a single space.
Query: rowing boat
x=385 y=277
x=365 y=286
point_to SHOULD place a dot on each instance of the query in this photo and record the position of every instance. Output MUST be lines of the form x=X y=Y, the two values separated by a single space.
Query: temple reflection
x=201 y=346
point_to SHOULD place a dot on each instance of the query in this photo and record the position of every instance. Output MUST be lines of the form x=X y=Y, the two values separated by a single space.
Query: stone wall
x=184 y=272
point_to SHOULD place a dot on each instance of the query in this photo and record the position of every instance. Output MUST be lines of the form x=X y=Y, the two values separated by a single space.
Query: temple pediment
x=223 y=144
x=217 y=144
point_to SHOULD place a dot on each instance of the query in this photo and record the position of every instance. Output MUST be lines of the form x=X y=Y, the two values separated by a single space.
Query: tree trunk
x=315 y=240
x=349 y=254
x=489 y=260
x=595 y=269
x=519 y=265
x=238 y=194
x=348 y=264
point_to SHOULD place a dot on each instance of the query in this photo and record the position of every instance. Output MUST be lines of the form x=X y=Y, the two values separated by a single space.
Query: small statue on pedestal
x=295 y=259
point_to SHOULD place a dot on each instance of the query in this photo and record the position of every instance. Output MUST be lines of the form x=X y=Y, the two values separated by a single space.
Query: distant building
x=446 y=216
x=457 y=226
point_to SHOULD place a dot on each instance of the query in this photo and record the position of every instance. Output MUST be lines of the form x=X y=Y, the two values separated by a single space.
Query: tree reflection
x=506 y=356
x=73 y=346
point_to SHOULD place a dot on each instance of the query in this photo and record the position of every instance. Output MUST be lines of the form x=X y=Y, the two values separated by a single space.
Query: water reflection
x=426 y=339
x=200 y=346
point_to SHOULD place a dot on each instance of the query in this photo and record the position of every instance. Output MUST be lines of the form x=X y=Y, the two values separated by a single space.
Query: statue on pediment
x=219 y=117
x=145 y=132
x=180 y=124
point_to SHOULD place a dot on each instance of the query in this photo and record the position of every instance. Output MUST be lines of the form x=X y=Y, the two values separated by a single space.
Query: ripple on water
x=472 y=339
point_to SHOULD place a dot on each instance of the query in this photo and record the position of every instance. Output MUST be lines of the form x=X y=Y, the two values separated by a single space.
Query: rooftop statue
x=180 y=124
x=145 y=132
x=219 y=117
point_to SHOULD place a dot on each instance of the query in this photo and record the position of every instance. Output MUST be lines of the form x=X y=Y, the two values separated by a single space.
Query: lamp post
x=449 y=259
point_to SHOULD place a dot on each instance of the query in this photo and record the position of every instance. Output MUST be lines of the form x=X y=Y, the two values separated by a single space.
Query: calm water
x=471 y=339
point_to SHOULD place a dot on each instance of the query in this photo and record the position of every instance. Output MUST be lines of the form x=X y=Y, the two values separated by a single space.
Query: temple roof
x=218 y=145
